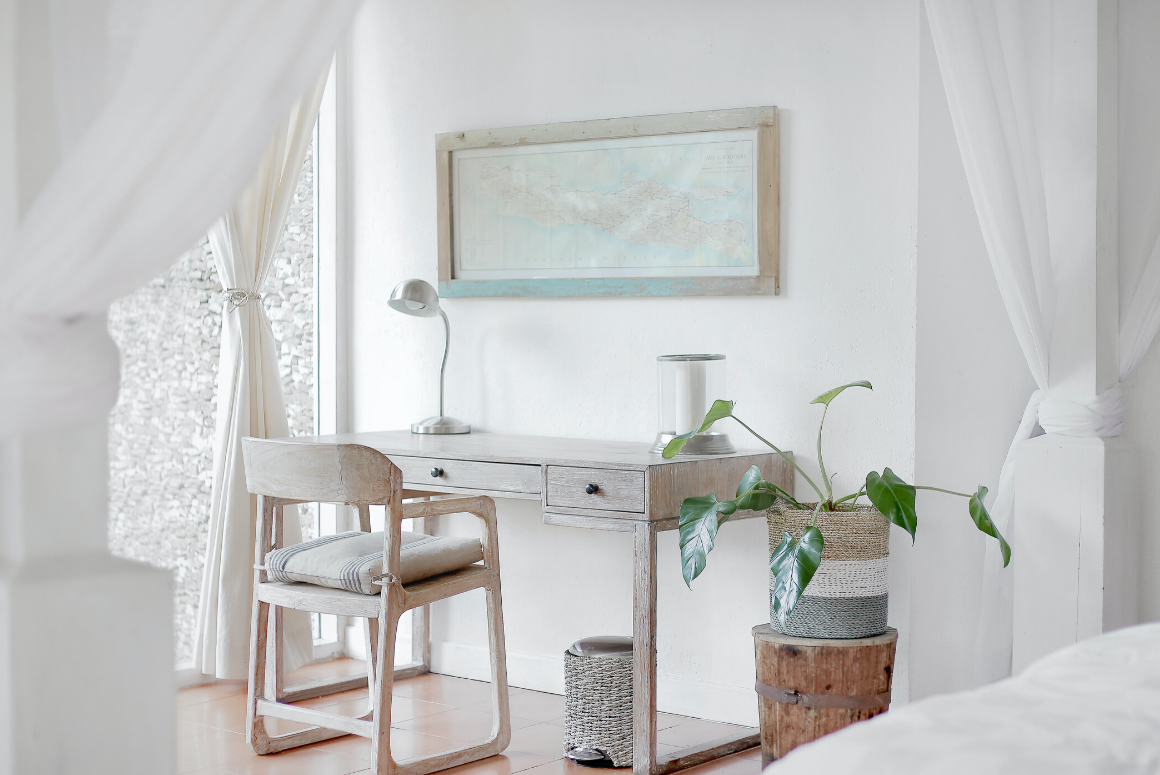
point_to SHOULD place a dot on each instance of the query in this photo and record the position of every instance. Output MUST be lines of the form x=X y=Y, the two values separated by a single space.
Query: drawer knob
x=436 y=472
x=592 y=489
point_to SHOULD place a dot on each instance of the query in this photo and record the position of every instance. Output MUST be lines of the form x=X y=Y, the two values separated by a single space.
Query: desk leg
x=421 y=622
x=644 y=649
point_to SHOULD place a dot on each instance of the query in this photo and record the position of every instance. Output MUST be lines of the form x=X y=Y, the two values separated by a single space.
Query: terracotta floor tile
x=354 y=707
x=361 y=695
x=696 y=732
x=752 y=753
x=458 y=724
x=539 y=707
x=294 y=762
x=730 y=765
x=565 y=767
x=228 y=713
x=187 y=729
x=444 y=689
x=506 y=763
x=404 y=745
x=331 y=669
x=279 y=726
x=209 y=748
x=540 y=740
x=407 y=708
x=211 y=691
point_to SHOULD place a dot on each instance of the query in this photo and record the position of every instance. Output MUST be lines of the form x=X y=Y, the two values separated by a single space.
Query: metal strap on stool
x=846 y=701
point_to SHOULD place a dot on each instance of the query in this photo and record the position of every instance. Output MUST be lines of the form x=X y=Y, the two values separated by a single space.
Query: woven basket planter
x=847 y=596
x=598 y=706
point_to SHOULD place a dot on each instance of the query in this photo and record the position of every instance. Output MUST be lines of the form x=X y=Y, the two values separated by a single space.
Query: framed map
x=660 y=205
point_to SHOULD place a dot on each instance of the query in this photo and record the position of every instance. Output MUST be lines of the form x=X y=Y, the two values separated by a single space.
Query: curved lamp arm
x=446 y=348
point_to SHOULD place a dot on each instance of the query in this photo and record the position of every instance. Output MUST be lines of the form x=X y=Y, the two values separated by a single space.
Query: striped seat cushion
x=349 y=560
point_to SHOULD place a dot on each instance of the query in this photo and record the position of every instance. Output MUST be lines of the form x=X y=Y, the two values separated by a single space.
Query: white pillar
x=1075 y=563
x=86 y=639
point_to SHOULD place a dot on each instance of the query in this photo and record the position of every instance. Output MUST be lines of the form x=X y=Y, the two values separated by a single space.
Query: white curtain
x=995 y=59
x=157 y=115
x=249 y=403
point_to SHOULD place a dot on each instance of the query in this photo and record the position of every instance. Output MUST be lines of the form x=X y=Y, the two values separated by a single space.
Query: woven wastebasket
x=847 y=596
x=598 y=701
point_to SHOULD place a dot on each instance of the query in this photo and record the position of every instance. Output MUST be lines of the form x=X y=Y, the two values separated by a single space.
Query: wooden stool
x=809 y=687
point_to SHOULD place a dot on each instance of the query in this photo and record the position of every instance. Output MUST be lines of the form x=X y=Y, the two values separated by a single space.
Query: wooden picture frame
x=762 y=280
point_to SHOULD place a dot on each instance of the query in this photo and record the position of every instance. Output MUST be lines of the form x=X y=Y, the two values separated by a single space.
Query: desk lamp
x=418 y=298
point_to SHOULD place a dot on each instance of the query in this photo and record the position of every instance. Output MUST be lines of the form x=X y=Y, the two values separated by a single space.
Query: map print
x=681 y=205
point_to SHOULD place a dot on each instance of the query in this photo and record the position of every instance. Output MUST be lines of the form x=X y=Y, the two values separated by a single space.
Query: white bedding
x=1090 y=708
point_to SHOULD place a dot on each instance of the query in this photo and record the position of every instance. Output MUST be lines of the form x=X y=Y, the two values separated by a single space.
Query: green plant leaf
x=762 y=496
x=717 y=411
x=830 y=395
x=700 y=518
x=983 y=521
x=894 y=498
x=793 y=564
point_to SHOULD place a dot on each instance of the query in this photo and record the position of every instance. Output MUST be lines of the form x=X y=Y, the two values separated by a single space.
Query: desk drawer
x=616 y=490
x=470 y=474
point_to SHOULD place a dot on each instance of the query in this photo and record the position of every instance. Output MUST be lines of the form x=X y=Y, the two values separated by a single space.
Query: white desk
x=589 y=484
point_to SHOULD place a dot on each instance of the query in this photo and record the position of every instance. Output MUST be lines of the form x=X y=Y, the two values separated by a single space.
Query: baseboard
x=700 y=699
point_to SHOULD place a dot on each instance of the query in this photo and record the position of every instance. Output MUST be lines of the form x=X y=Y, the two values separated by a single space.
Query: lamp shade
x=415 y=297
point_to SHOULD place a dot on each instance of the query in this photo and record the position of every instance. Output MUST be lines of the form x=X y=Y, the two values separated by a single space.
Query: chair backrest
x=327 y=473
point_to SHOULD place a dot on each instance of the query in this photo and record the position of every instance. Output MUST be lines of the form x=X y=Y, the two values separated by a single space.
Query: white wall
x=1139 y=229
x=845 y=76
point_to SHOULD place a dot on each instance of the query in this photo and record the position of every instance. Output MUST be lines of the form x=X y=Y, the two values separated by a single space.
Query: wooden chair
x=282 y=473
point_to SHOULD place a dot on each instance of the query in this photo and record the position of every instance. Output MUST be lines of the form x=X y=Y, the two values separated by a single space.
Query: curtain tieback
x=1102 y=415
x=240 y=297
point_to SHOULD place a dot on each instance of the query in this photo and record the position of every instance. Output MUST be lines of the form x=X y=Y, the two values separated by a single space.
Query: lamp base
x=440 y=425
x=701 y=444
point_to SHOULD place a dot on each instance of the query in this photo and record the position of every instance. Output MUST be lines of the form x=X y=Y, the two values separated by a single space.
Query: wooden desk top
x=502 y=448
x=597 y=482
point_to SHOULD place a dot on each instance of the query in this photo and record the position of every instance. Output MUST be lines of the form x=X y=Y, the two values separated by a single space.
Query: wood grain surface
x=860 y=667
x=615 y=490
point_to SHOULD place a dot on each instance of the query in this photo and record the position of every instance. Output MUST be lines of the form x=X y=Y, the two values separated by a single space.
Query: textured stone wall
x=161 y=431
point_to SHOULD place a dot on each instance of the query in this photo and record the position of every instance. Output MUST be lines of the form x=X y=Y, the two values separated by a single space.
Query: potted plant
x=828 y=557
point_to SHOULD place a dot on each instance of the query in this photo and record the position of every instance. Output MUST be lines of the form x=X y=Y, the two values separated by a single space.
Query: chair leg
x=371 y=632
x=501 y=730
x=382 y=763
x=256 y=724
x=275 y=661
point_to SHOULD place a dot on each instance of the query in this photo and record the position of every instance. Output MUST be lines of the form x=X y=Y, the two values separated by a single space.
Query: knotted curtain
x=249 y=403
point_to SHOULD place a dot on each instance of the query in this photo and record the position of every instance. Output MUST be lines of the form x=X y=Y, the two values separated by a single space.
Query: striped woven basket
x=847 y=596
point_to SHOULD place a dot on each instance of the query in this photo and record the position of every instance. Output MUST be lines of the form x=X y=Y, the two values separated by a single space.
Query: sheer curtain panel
x=126 y=128
x=997 y=61
x=163 y=112
x=249 y=403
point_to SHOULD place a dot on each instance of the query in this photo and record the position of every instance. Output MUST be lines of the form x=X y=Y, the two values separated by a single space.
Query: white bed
x=1090 y=708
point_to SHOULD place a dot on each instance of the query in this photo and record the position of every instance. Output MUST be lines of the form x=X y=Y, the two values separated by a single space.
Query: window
x=161 y=431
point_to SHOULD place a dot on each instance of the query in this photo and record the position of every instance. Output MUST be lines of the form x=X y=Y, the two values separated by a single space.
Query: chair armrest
x=434 y=508
x=480 y=506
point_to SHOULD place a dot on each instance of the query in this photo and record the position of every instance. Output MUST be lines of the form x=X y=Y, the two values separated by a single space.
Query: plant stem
x=816 y=510
x=853 y=497
x=785 y=457
x=776 y=490
x=821 y=464
x=948 y=492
